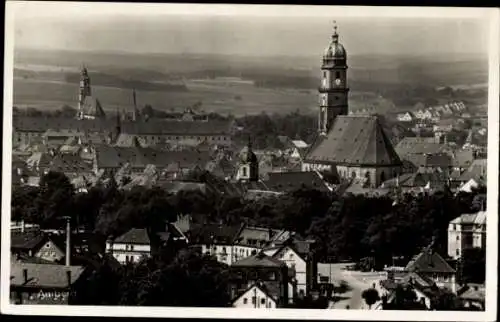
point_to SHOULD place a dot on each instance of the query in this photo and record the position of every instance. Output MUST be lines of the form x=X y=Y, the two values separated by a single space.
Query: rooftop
x=355 y=140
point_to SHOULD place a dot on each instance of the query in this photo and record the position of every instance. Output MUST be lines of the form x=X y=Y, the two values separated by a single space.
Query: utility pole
x=68 y=240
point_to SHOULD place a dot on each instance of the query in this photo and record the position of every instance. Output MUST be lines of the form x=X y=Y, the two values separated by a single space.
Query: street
x=358 y=282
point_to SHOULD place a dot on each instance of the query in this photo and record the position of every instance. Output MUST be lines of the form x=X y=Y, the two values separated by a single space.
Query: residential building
x=465 y=232
x=32 y=283
x=257 y=296
x=136 y=244
x=36 y=244
x=405 y=117
x=298 y=256
x=430 y=265
x=261 y=268
x=473 y=296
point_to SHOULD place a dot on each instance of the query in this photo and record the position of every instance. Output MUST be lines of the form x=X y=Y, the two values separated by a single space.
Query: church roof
x=92 y=107
x=355 y=140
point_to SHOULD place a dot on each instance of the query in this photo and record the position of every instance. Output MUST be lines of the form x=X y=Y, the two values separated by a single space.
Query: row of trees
x=345 y=227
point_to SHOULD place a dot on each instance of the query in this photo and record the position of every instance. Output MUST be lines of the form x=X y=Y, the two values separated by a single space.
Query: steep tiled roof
x=418 y=179
x=206 y=234
x=27 y=240
x=152 y=126
x=259 y=260
x=70 y=163
x=291 y=181
x=114 y=157
x=355 y=140
x=159 y=126
x=478 y=218
x=429 y=261
x=441 y=160
x=134 y=236
x=43 y=275
x=93 y=107
x=477 y=170
x=417 y=145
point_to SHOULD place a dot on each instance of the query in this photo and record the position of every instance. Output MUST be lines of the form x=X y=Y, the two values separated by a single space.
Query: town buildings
x=351 y=146
x=466 y=232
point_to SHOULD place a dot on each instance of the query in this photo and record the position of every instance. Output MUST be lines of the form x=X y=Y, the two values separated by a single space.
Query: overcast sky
x=245 y=30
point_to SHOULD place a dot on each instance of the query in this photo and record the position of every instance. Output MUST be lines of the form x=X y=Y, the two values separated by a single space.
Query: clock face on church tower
x=338 y=81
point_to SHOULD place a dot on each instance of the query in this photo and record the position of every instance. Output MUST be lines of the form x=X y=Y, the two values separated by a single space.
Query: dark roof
x=355 y=140
x=428 y=261
x=43 y=275
x=114 y=157
x=212 y=233
x=151 y=126
x=159 y=126
x=70 y=163
x=441 y=160
x=418 y=179
x=27 y=240
x=418 y=145
x=134 y=236
x=477 y=170
x=259 y=260
x=93 y=107
x=291 y=181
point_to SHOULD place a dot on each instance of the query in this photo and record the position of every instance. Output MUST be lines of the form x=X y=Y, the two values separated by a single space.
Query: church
x=353 y=147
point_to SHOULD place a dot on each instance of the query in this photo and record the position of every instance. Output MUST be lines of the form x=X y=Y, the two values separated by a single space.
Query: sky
x=247 y=30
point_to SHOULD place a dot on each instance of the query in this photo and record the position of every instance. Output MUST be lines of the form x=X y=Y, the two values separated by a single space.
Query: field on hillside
x=49 y=80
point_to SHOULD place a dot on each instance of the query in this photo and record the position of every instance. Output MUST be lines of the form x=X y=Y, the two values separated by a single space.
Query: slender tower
x=84 y=91
x=333 y=91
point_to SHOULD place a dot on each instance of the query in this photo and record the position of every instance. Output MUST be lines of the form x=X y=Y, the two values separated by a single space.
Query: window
x=254 y=299
x=458 y=237
x=244 y=171
x=126 y=259
x=262 y=301
x=245 y=300
x=337 y=74
x=131 y=247
x=324 y=74
x=458 y=252
x=131 y=259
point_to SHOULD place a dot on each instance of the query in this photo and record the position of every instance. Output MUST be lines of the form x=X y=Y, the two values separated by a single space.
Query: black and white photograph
x=250 y=161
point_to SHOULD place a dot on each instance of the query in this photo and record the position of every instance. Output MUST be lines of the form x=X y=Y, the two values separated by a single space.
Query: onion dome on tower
x=335 y=50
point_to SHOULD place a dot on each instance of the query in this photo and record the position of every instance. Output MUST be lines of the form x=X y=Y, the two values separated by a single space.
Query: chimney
x=68 y=241
x=25 y=275
x=68 y=277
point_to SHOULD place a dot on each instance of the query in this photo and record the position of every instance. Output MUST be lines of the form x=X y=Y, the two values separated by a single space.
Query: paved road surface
x=357 y=281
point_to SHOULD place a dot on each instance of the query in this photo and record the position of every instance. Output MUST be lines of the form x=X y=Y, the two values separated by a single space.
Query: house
x=465 y=232
x=430 y=265
x=405 y=117
x=472 y=184
x=298 y=256
x=424 y=179
x=477 y=171
x=35 y=244
x=136 y=244
x=261 y=268
x=33 y=283
x=473 y=296
x=258 y=295
x=422 y=287
x=219 y=241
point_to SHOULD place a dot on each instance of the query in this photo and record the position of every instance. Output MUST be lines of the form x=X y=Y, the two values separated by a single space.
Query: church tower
x=84 y=91
x=248 y=165
x=333 y=91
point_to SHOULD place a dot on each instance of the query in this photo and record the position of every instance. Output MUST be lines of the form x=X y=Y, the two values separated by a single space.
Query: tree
x=189 y=280
x=370 y=296
x=474 y=265
x=445 y=300
x=405 y=298
x=55 y=199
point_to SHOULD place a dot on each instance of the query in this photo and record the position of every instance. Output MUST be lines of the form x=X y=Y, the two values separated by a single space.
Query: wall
x=262 y=300
x=121 y=251
x=49 y=251
x=293 y=260
x=228 y=254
